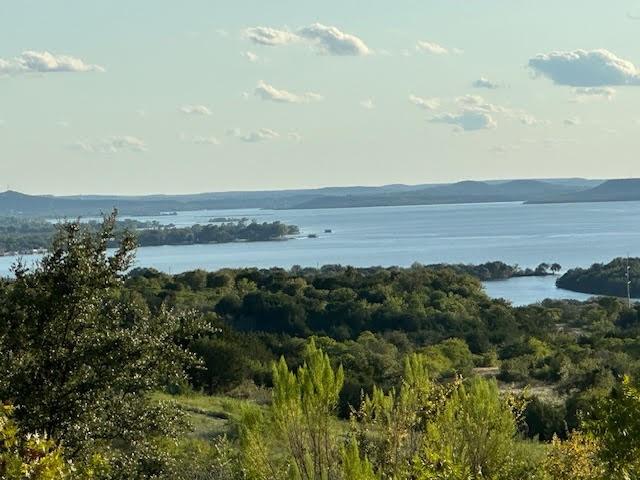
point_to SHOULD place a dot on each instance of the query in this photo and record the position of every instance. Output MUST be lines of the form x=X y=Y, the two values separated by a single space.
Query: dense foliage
x=464 y=430
x=80 y=354
x=604 y=279
x=24 y=235
x=361 y=373
x=369 y=319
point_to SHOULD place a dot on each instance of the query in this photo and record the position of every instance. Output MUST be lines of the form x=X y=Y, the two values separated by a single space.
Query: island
x=20 y=236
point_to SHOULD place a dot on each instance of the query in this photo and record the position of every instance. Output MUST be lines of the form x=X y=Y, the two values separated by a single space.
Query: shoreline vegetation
x=20 y=236
x=311 y=373
x=497 y=270
x=605 y=279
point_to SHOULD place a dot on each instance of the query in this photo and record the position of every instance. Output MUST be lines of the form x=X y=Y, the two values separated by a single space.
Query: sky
x=156 y=96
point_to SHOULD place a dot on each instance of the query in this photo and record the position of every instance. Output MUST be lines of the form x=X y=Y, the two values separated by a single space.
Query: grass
x=210 y=416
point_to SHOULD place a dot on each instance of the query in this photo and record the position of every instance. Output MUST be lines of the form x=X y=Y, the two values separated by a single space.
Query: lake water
x=570 y=234
x=527 y=290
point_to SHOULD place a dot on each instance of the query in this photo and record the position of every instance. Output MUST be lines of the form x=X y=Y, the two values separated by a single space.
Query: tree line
x=23 y=235
x=605 y=279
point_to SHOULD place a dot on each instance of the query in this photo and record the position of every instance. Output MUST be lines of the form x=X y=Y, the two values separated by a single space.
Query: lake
x=570 y=234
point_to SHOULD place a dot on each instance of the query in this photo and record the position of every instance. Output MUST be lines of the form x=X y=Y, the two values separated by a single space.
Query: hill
x=461 y=192
x=621 y=190
x=16 y=203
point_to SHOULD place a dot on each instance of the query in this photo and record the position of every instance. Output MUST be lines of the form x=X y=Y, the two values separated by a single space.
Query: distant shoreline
x=465 y=192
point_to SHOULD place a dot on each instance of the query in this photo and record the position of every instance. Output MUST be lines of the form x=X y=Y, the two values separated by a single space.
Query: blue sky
x=149 y=96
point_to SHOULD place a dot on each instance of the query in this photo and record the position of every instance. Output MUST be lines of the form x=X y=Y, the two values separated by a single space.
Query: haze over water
x=570 y=234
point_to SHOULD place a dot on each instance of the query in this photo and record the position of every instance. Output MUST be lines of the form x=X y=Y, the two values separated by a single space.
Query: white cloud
x=436 y=49
x=484 y=82
x=270 y=36
x=425 y=103
x=431 y=47
x=252 y=57
x=259 y=135
x=195 y=110
x=45 y=62
x=327 y=39
x=582 y=68
x=467 y=120
x=602 y=93
x=333 y=41
x=5 y=67
x=368 y=104
x=262 y=135
x=114 y=144
x=269 y=92
x=473 y=112
x=479 y=104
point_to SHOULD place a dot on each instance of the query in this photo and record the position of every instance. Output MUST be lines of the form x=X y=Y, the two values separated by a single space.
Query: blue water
x=570 y=234
x=526 y=290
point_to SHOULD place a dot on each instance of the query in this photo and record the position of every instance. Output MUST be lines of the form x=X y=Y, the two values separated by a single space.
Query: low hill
x=461 y=192
x=15 y=203
x=621 y=190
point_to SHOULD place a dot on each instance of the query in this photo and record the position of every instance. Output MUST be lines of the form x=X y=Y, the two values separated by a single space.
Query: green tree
x=615 y=423
x=542 y=269
x=81 y=354
x=555 y=268
x=356 y=467
x=390 y=427
x=474 y=435
x=574 y=459
x=302 y=417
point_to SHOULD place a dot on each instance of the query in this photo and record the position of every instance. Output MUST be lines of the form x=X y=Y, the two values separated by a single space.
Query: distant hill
x=621 y=190
x=16 y=203
x=461 y=192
